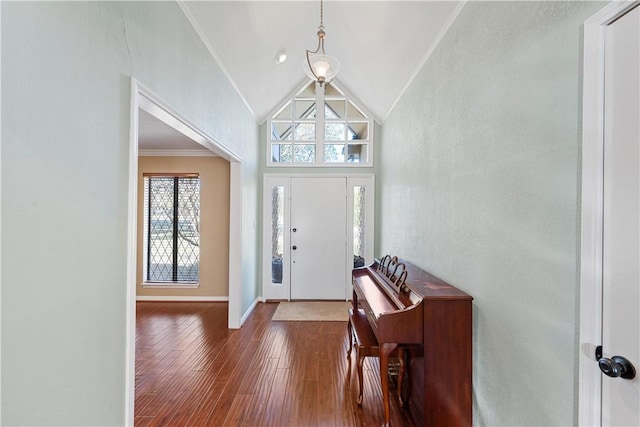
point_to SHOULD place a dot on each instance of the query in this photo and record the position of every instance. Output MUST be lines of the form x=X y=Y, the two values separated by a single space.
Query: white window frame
x=319 y=142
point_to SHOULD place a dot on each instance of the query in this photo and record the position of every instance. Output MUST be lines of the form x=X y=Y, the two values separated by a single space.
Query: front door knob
x=294 y=247
x=617 y=366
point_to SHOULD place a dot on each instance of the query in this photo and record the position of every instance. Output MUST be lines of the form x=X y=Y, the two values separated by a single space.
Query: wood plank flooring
x=193 y=371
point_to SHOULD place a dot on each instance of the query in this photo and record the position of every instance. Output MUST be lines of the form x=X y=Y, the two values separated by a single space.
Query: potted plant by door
x=276 y=269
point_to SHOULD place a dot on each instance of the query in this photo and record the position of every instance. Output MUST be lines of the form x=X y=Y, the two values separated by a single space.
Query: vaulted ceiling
x=380 y=44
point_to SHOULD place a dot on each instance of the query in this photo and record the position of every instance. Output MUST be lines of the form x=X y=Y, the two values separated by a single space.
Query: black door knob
x=294 y=230
x=294 y=247
x=617 y=366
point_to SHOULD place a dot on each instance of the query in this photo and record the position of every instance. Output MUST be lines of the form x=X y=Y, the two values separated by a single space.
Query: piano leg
x=360 y=373
x=401 y=375
x=350 y=331
x=385 y=350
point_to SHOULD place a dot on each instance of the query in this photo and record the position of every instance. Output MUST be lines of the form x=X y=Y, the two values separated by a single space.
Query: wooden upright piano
x=432 y=321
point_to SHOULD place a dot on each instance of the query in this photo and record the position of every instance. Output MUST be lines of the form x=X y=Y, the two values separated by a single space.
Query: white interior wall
x=66 y=78
x=480 y=186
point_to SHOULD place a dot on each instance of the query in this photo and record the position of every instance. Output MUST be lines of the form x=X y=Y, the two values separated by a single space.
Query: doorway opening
x=145 y=104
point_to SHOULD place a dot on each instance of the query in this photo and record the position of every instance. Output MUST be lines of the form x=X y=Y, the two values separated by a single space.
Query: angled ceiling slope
x=381 y=45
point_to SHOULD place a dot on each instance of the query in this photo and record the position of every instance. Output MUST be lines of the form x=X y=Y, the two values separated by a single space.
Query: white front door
x=621 y=220
x=318 y=238
x=334 y=230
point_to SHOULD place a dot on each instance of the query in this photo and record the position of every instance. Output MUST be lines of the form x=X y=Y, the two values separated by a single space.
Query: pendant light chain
x=318 y=65
x=321 y=33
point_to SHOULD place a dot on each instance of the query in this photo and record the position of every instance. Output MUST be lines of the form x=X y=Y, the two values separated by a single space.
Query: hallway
x=193 y=371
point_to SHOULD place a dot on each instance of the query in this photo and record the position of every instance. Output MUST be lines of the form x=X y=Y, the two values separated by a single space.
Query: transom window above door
x=340 y=134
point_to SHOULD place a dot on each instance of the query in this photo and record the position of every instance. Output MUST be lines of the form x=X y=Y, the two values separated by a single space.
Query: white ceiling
x=380 y=44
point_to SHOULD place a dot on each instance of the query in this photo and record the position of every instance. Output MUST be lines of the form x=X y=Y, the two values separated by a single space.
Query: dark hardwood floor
x=193 y=371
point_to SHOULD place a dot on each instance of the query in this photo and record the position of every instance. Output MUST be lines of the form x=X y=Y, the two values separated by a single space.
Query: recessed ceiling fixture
x=318 y=65
x=281 y=56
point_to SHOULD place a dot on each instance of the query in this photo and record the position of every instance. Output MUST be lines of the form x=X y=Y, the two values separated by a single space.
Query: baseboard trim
x=250 y=310
x=182 y=298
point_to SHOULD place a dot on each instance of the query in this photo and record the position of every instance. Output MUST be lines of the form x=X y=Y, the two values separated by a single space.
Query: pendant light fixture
x=318 y=65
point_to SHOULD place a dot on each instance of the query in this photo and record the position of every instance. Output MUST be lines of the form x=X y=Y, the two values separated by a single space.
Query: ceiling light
x=318 y=65
x=281 y=56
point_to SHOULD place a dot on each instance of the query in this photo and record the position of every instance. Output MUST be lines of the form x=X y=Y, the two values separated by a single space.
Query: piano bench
x=366 y=345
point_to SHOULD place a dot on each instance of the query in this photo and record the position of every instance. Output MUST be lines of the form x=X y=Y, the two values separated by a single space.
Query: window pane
x=353 y=113
x=305 y=109
x=285 y=113
x=359 y=230
x=334 y=153
x=172 y=220
x=358 y=131
x=159 y=204
x=334 y=131
x=305 y=132
x=334 y=109
x=188 y=229
x=281 y=153
x=309 y=91
x=357 y=153
x=331 y=90
x=281 y=131
x=277 y=233
x=304 y=153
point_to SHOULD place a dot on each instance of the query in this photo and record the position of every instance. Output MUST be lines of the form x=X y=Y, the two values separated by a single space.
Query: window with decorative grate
x=171 y=228
x=339 y=134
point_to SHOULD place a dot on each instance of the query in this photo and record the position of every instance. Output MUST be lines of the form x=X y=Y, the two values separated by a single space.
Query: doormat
x=317 y=311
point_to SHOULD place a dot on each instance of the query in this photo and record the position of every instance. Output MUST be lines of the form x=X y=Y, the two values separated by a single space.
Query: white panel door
x=318 y=238
x=621 y=227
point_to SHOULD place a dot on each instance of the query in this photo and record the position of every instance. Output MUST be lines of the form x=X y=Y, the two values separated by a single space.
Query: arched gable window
x=340 y=135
